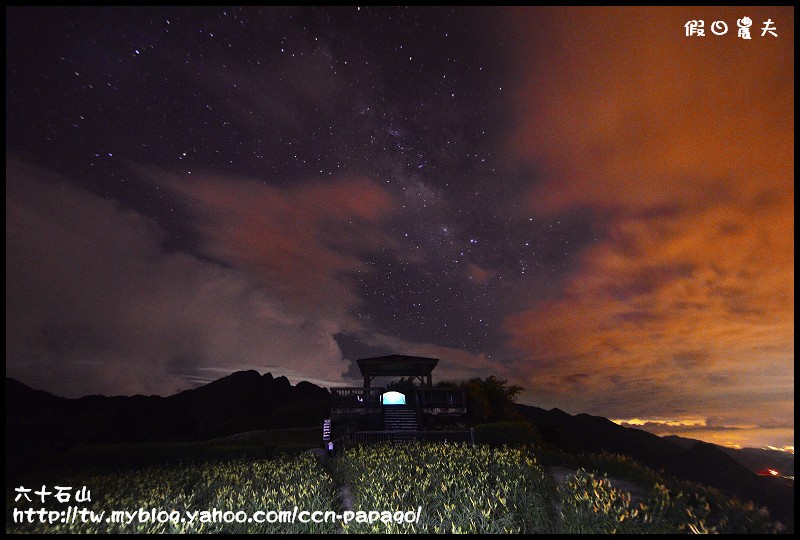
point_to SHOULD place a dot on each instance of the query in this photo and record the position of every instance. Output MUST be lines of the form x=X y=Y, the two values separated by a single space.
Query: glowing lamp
x=393 y=398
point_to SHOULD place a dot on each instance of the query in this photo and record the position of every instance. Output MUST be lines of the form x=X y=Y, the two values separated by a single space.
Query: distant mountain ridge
x=700 y=462
x=755 y=459
x=39 y=425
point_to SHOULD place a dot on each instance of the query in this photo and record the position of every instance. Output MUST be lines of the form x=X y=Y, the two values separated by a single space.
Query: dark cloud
x=112 y=313
x=582 y=201
x=690 y=360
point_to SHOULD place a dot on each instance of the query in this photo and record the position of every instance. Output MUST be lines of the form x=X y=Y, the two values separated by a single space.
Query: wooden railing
x=442 y=398
x=344 y=400
x=430 y=400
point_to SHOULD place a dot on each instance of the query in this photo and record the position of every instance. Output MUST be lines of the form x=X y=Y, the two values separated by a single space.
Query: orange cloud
x=305 y=241
x=685 y=307
x=477 y=274
x=621 y=109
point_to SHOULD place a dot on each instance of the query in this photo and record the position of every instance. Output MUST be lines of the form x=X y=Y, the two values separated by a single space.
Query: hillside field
x=450 y=487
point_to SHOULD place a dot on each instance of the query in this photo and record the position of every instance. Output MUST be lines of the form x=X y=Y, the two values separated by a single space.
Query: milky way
x=531 y=193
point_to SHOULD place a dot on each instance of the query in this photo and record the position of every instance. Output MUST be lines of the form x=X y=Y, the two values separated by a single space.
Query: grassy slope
x=460 y=488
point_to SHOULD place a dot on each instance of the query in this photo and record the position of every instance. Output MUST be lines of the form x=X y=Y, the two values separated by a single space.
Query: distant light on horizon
x=686 y=422
x=789 y=449
x=639 y=266
x=733 y=435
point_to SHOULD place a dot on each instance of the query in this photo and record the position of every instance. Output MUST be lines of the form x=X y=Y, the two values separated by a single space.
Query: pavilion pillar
x=430 y=380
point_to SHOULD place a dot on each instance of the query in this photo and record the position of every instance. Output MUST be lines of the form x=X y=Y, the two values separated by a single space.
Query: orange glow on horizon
x=788 y=449
x=683 y=307
x=672 y=423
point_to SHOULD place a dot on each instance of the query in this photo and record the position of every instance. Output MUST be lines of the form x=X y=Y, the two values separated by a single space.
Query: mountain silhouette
x=699 y=462
x=757 y=460
x=39 y=426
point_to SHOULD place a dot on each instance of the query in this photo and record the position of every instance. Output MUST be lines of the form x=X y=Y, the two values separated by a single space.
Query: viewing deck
x=434 y=401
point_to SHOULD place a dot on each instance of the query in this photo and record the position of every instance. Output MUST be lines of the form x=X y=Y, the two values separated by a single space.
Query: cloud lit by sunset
x=684 y=148
x=585 y=202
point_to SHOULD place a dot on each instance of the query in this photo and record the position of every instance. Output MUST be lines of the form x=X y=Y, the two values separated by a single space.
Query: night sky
x=584 y=202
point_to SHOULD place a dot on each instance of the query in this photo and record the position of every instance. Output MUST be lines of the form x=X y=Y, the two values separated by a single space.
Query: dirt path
x=638 y=494
x=342 y=490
